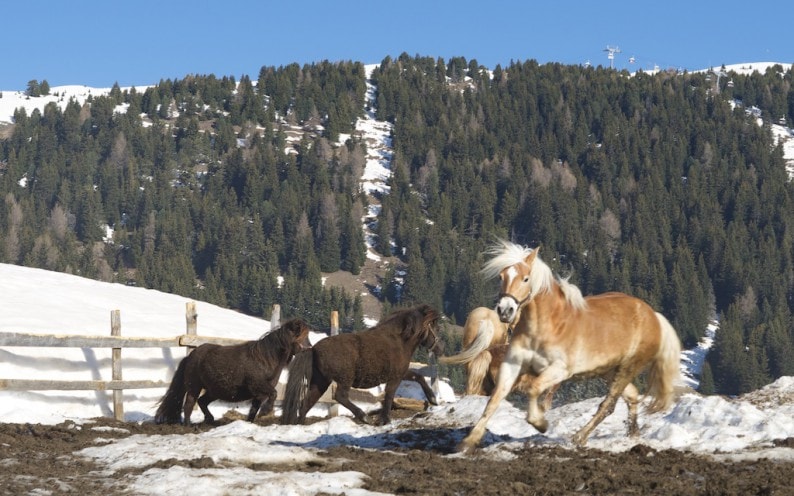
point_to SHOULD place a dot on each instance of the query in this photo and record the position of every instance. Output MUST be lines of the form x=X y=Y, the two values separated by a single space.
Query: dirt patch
x=39 y=458
x=367 y=283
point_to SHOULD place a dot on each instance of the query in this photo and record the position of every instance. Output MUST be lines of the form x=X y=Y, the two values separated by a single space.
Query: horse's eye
x=526 y=278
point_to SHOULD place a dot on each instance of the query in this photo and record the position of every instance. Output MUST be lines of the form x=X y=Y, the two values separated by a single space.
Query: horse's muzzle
x=506 y=308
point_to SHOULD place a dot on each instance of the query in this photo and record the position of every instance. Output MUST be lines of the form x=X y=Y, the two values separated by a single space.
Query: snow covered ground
x=43 y=302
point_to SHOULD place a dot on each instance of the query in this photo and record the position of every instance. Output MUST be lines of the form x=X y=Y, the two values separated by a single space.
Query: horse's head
x=515 y=287
x=428 y=330
x=522 y=275
x=299 y=335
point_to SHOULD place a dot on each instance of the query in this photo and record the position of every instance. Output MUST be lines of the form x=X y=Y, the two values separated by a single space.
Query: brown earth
x=364 y=284
x=39 y=459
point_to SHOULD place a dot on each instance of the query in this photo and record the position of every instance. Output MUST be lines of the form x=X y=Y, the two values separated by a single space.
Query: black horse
x=364 y=359
x=233 y=373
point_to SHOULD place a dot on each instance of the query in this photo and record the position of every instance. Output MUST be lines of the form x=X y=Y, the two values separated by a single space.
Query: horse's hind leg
x=317 y=388
x=342 y=397
x=419 y=379
x=203 y=403
x=616 y=388
x=631 y=395
x=190 y=402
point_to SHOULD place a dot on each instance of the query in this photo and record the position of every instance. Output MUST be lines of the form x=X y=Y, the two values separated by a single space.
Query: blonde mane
x=541 y=279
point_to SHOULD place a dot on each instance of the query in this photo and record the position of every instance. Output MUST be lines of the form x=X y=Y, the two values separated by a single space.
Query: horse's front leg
x=270 y=401
x=255 y=404
x=508 y=373
x=548 y=379
x=416 y=377
x=262 y=403
x=388 y=400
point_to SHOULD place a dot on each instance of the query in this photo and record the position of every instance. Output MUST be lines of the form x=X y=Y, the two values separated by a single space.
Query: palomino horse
x=485 y=339
x=363 y=359
x=482 y=330
x=558 y=334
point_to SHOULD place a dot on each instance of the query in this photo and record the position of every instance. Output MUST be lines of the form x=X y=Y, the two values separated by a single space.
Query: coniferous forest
x=663 y=186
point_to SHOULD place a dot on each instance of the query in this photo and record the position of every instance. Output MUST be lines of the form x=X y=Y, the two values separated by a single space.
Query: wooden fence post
x=118 y=394
x=334 y=322
x=191 y=322
x=333 y=410
x=275 y=317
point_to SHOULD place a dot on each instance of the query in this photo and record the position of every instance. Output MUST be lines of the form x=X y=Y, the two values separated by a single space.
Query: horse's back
x=362 y=359
x=619 y=311
x=198 y=355
x=614 y=327
x=221 y=370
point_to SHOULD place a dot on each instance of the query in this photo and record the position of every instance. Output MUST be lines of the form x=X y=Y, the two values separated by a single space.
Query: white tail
x=665 y=371
x=481 y=343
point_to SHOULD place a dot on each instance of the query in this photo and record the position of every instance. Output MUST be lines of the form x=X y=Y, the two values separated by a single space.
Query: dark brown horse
x=364 y=359
x=240 y=372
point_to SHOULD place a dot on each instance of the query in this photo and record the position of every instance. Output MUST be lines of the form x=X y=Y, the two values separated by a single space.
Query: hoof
x=579 y=439
x=366 y=420
x=467 y=446
x=432 y=400
x=541 y=425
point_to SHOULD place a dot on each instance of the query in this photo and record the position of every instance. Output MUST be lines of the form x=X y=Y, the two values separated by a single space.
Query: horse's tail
x=481 y=342
x=665 y=371
x=297 y=389
x=170 y=409
x=477 y=373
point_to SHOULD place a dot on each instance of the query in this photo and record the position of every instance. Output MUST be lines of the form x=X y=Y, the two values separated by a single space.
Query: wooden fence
x=116 y=342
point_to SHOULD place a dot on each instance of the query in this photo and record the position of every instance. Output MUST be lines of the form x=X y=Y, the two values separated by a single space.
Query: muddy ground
x=39 y=459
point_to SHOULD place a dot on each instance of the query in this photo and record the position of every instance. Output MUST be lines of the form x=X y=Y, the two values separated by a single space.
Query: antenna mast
x=611 y=51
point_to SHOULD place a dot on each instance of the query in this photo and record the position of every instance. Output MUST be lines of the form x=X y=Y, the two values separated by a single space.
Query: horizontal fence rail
x=49 y=385
x=72 y=341
x=116 y=342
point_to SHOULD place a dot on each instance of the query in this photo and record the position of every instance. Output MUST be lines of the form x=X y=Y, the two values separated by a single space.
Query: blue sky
x=98 y=43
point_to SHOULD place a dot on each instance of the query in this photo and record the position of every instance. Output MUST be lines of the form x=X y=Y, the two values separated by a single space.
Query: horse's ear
x=295 y=326
x=532 y=255
x=418 y=316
